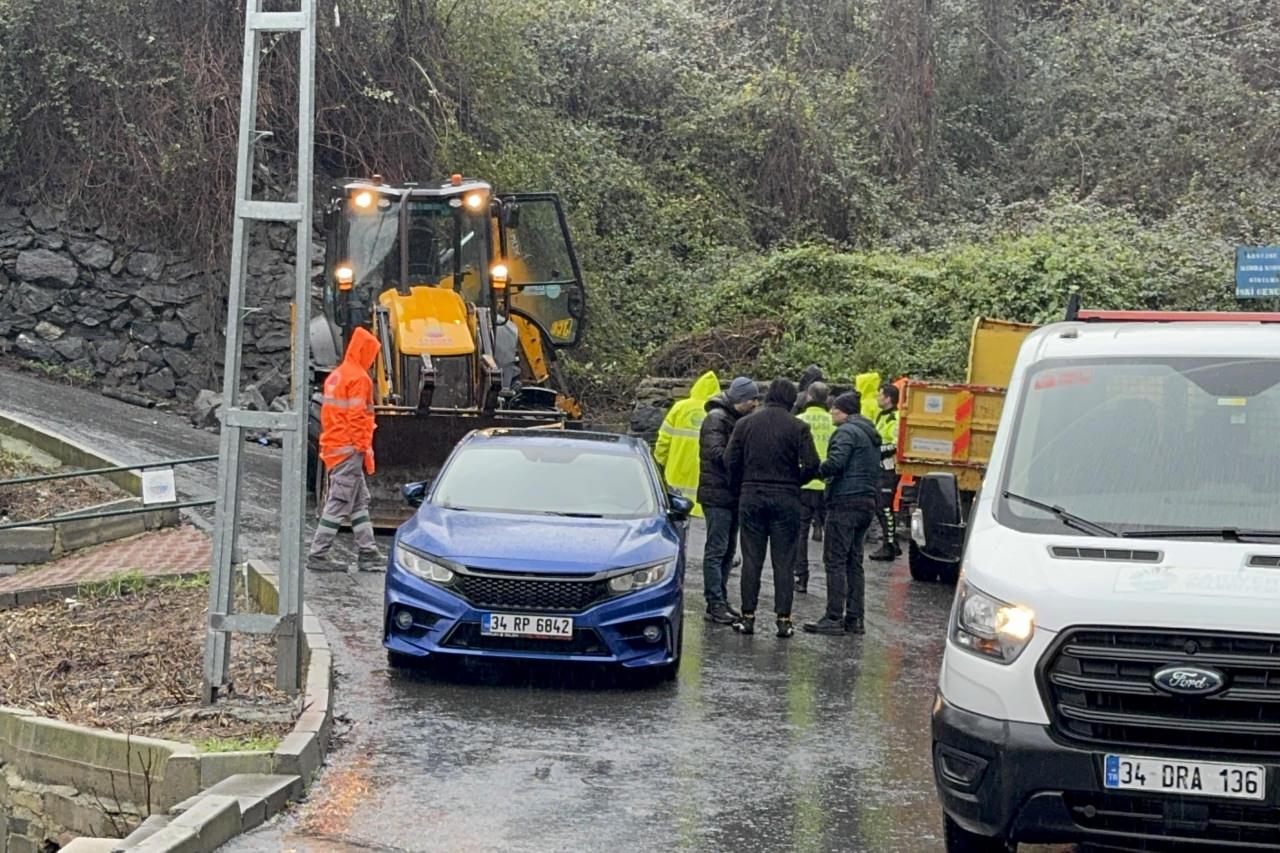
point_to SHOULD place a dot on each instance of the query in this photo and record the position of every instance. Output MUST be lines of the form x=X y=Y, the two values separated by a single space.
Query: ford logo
x=1189 y=680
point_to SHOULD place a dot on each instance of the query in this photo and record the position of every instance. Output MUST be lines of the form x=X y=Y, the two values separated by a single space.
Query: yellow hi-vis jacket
x=822 y=427
x=868 y=385
x=677 y=448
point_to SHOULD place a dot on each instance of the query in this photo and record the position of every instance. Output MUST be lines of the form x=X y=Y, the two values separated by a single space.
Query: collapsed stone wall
x=79 y=298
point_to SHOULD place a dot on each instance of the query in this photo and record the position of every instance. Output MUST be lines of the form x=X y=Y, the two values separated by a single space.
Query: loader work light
x=363 y=200
x=475 y=201
x=500 y=275
x=345 y=276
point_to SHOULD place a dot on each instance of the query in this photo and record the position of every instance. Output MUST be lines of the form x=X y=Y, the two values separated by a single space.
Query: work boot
x=719 y=613
x=371 y=561
x=887 y=553
x=732 y=612
x=854 y=625
x=802 y=584
x=817 y=533
x=825 y=625
x=324 y=563
x=785 y=627
x=746 y=624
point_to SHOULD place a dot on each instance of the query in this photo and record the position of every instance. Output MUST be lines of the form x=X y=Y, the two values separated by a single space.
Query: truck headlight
x=422 y=566
x=641 y=578
x=989 y=627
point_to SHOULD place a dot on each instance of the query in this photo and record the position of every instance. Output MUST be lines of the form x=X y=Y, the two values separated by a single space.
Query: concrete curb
x=198 y=801
x=42 y=543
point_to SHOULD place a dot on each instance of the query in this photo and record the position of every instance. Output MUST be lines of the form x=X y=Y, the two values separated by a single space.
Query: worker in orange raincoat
x=346 y=448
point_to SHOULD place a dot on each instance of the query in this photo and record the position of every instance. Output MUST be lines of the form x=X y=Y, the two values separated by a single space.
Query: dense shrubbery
x=932 y=159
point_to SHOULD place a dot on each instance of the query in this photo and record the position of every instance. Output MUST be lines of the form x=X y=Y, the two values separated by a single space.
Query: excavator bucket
x=411 y=447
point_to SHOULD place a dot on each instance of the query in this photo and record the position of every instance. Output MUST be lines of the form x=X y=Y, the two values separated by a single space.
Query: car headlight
x=419 y=565
x=989 y=627
x=641 y=578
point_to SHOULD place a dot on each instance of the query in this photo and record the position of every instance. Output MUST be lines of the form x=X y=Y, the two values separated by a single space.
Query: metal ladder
x=223 y=620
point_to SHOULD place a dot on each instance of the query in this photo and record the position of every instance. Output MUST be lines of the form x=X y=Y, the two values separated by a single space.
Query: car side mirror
x=414 y=493
x=938 y=496
x=681 y=507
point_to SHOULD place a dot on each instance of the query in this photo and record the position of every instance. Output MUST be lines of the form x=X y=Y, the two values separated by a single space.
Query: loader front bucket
x=410 y=447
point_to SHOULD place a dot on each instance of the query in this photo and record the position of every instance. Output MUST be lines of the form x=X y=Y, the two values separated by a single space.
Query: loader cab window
x=368 y=241
x=445 y=247
x=546 y=284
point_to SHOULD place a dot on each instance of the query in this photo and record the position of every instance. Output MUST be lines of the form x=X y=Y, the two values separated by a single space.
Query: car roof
x=606 y=442
x=1130 y=339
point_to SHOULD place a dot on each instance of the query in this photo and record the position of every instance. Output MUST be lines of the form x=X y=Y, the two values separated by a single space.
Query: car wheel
x=960 y=840
x=399 y=660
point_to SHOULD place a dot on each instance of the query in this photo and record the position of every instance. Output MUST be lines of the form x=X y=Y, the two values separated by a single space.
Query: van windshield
x=1134 y=445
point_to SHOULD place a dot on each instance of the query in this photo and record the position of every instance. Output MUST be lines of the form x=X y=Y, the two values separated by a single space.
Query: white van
x=1112 y=670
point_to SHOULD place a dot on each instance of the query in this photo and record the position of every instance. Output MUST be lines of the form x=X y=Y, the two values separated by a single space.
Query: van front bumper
x=1014 y=781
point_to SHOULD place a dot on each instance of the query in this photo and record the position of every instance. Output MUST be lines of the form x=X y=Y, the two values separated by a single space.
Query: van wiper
x=1071 y=520
x=1229 y=534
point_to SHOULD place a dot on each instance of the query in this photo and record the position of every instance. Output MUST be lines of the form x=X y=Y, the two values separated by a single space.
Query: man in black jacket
x=719 y=502
x=852 y=472
x=770 y=456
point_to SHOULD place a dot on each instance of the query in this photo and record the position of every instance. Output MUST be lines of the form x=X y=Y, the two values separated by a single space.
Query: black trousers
x=842 y=542
x=769 y=518
x=888 y=522
x=812 y=514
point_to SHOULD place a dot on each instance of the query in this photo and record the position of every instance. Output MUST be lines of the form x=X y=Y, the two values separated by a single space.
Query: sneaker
x=802 y=585
x=825 y=625
x=746 y=624
x=785 y=627
x=720 y=614
x=732 y=612
x=324 y=563
x=371 y=561
x=855 y=625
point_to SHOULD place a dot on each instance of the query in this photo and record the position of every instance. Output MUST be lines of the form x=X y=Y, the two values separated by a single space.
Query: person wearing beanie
x=719 y=502
x=810 y=375
x=815 y=412
x=852 y=472
x=770 y=456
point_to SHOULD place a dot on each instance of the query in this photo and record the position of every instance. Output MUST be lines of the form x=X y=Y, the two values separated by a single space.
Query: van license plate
x=521 y=625
x=1193 y=778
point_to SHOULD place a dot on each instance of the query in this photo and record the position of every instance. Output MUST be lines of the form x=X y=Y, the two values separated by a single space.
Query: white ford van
x=1112 y=670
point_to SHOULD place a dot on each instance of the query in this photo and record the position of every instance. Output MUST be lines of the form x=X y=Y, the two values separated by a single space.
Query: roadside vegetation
x=868 y=174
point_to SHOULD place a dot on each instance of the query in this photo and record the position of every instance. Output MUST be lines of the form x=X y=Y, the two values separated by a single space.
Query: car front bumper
x=608 y=632
x=1015 y=781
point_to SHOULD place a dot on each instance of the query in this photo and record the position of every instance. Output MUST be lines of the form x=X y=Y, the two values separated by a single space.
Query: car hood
x=539 y=544
x=1196 y=585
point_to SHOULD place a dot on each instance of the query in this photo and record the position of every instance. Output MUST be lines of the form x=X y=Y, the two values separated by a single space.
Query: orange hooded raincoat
x=346 y=412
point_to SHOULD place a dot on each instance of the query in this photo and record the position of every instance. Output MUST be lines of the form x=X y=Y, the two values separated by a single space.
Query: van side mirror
x=414 y=493
x=938 y=497
x=681 y=507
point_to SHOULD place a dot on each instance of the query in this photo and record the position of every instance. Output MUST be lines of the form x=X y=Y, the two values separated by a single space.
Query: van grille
x=1264 y=561
x=1110 y=555
x=1257 y=826
x=1098 y=687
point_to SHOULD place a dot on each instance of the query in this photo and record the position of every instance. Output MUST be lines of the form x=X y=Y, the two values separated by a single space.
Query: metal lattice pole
x=223 y=621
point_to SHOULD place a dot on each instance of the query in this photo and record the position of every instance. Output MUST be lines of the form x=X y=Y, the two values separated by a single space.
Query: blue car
x=541 y=545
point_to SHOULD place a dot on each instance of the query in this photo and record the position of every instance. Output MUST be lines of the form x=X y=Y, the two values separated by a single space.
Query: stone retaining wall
x=79 y=298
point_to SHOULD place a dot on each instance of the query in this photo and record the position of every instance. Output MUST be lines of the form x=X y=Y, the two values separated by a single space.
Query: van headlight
x=641 y=578
x=422 y=566
x=989 y=627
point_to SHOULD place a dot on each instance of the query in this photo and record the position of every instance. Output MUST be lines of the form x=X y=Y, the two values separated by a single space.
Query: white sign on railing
x=158 y=487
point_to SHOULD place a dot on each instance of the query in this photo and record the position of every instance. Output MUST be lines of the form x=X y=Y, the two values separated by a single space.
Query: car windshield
x=559 y=479
x=1144 y=445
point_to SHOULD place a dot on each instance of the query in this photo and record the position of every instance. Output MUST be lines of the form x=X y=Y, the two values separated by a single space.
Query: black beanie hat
x=850 y=402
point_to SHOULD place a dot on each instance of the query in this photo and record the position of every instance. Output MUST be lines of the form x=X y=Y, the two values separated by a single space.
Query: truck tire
x=928 y=570
x=960 y=840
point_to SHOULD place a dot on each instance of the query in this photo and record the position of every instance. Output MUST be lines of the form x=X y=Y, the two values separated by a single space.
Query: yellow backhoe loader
x=472 y=294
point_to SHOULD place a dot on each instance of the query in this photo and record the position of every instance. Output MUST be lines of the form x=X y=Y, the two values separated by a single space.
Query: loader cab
x=383 y=238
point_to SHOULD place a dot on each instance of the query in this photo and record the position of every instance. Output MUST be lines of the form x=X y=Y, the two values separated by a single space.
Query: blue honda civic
x=541 y=545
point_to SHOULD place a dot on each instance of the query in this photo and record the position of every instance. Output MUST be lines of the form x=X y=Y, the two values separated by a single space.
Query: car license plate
x=521 y=625
x=1194 y=778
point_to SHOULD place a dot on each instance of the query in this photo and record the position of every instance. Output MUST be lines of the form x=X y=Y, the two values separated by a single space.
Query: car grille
x=568 y=596
x=1098 y=688
x=1204 y=822
x=585 y=642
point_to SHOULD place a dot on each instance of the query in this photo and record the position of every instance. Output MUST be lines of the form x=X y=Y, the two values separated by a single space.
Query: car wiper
x=1071 y=520
x=1229 y=534
x=574 y=514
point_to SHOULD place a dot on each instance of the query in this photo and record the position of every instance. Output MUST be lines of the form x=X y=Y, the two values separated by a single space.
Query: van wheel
x=959 y=840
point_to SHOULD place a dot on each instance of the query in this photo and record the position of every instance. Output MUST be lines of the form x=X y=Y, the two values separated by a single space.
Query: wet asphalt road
x=813 y=743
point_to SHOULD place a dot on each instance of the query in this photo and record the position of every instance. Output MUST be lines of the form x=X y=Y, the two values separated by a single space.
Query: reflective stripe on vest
x=346 y=402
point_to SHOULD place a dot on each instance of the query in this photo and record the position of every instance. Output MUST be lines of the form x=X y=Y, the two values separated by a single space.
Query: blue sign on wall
x=1257 y=272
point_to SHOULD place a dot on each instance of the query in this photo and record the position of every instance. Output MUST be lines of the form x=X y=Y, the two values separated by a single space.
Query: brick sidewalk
x=175 y=551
